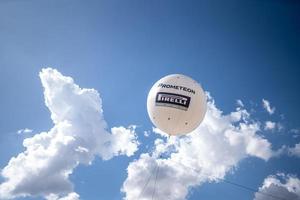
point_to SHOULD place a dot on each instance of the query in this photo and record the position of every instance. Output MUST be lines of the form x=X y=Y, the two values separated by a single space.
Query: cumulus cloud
x=146 y=133
x=269 y=125
x=70 y=196
x=279 y=186
x=294 y=130
x=78 y=135
x=267 y=106
x=205 y=155
x=239 y=103
x=159 y=132
x=295 y=151
x=124 y=141
x=25 y=130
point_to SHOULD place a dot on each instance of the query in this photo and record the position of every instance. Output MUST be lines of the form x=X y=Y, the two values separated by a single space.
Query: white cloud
x=267 y=106
x=205 y=155
x=273 y=126
x=279 y=186
x=280 y=127
x=294 y=151
x=70 y=196
x=146 y=133
x=159 y=132
x=239 y=103
x=79 y=134
x=25 y=130
x=124 y=141
x=269 y=125
x=294 y=130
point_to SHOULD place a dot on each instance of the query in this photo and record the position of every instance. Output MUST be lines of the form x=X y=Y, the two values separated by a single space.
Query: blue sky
x=247 y=50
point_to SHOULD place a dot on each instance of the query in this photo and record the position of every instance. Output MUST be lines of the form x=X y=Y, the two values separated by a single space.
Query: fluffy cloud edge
x=207 y=154
x=279 y=186
x=267 y=106
x=25 y=130
x=78 y=135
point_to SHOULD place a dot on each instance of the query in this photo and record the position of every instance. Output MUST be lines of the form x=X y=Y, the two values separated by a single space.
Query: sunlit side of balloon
x=176 y=104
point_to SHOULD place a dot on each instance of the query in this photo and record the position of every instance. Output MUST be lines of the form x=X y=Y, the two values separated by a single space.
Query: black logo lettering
x=172 y=100
x=176 y=87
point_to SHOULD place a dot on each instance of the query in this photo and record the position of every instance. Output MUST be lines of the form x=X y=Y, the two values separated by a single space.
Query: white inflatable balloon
x=176 y=104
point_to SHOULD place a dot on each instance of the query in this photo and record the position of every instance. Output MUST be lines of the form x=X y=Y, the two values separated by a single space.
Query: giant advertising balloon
x=176 y=104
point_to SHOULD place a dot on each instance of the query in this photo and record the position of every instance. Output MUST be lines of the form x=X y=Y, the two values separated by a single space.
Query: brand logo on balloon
x=177 y=87
x=172 y=100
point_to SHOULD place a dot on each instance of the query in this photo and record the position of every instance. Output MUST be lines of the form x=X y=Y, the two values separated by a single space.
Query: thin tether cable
x=238 y=185
x=154 y=189
x=221 y=179
x=251 y=189
x=145 y=185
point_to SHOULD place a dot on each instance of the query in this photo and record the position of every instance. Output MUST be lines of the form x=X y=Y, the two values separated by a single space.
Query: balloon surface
x=176 y=104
